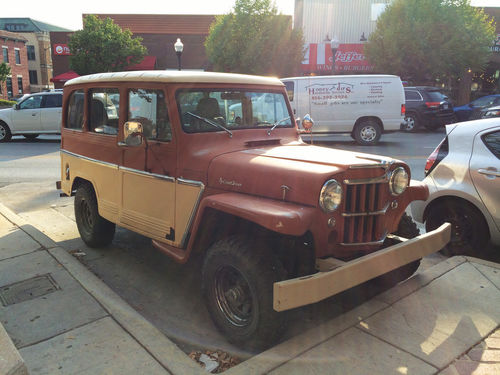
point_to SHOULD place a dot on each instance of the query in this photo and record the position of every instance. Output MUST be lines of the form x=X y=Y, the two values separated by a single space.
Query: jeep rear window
x=233 y=109
x=436 y=96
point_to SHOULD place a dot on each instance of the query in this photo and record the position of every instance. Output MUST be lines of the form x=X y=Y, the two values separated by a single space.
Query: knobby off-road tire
x=367 y=133
x=407 y=229
x=237 y=284
x=94 y=230
x=469 y=230
x=5 y=134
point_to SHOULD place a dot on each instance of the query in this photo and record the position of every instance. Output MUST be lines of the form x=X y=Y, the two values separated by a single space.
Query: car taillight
x=432 y=105
x=437 y=155
x=403 y=109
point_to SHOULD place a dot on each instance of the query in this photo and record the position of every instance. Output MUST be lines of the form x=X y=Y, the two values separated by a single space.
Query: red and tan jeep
x=214 y=163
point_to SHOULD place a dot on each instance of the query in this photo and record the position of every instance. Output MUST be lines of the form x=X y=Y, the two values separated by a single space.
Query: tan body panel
x=305 y=290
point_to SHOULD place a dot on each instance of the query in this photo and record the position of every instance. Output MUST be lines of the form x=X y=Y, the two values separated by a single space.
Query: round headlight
x=330 y=196
x=398 y=181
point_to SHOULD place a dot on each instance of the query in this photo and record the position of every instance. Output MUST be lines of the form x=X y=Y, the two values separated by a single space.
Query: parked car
x=426 y=107
x=35 y=114
x=463 y=176
x=473 y=109
x=364 y=106
x=490 y=112
x=262 y=207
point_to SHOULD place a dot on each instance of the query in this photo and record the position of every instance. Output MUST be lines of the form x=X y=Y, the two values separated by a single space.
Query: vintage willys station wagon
x=280 y=223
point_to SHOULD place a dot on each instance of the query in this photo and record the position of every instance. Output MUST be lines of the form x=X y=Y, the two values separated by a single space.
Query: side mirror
x=297 y=121
x=16 y=106
x=307 y=122
x=133 y=133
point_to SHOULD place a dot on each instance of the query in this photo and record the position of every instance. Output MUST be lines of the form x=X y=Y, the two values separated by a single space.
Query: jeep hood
x=295 y=172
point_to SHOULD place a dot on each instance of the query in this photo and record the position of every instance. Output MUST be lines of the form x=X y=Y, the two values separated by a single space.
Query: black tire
x=407 y=229
x=5 y=134
x=94 y=230
x=367 y=133
x=469 y=232
x=237 y=284
x=30 y=136
x=412 y=123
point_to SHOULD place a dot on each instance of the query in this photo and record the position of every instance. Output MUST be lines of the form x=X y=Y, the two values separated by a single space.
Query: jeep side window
x=52 y=101
x=75 y=110
x=148 y=107
x=104 y=110
x=289 y=89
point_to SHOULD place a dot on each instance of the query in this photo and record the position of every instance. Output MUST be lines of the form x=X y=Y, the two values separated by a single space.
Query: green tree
x=255 y=39
x=102 y=46
x=426 y=40
x=4 y=73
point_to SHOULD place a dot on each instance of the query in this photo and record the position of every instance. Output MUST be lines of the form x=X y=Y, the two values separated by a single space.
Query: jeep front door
x=148 y=185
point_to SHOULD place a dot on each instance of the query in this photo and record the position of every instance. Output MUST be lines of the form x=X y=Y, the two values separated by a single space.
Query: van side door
x=148 y=165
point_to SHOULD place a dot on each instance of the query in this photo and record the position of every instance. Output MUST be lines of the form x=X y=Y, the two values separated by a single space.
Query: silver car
x=463 y=175
x=35 y=114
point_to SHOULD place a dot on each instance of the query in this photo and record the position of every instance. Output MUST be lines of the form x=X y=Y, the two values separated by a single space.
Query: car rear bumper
x=305 y=290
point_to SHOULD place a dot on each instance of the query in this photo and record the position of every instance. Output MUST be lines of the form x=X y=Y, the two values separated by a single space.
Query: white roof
x=175 y=76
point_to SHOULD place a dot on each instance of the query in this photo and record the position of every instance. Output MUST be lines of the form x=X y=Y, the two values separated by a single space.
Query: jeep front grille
x=362 y=211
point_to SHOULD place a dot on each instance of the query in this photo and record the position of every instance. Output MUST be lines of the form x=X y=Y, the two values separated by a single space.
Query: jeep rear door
x=50 y=113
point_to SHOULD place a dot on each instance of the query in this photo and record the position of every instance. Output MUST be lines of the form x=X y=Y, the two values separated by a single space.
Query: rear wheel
x=367 y=132
x=407 y=229
x=237 y=281
x=5 y=134
x=94 y=230
x=469 y=230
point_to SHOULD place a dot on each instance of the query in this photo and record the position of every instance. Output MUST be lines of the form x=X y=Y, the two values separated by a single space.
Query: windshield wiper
x=276 y=124
x=213 y=123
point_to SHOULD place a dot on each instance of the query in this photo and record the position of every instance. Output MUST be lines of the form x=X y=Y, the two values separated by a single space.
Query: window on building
x=5 y=52
x=33 y=77
x=20 y=85
x=9 y=87
x=104 y=109
x=75 y=110
x=31 y=53
x=148 y=107
x=18 y=56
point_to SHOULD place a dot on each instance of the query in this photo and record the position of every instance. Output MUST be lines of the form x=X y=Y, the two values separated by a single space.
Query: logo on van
x=337 y=88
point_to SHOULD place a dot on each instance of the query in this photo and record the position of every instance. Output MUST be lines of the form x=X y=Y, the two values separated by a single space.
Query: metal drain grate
x=27 y=289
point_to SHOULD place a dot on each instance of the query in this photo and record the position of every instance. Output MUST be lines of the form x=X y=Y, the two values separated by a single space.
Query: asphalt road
x=165 y=293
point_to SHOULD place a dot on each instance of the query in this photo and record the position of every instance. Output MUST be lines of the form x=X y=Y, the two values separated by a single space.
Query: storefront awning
x=148 y=63
x=348 y=58
x=61 y=78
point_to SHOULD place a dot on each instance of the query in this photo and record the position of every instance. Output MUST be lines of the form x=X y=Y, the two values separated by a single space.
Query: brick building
x=14 y=54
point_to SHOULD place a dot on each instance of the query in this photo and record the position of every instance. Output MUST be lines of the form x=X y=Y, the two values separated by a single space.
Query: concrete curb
x=11 y=362
x=154 y=341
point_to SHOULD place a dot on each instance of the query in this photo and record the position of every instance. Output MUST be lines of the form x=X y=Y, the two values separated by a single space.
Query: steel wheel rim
x=86 y=215
x=233 y=297
x=368 y=133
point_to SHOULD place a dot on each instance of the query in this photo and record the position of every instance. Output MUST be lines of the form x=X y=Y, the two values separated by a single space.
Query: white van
x=363 y=105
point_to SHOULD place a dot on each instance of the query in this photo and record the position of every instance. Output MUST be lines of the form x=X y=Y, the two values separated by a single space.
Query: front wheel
x=406 y=229
x=5 y=134
x=367 y=133
x=237 y=282
x=94 y=230
x=411 y=123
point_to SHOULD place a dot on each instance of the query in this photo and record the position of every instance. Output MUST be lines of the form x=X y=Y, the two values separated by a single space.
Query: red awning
x=148 y=63
x=349 y=57
x=61 y=78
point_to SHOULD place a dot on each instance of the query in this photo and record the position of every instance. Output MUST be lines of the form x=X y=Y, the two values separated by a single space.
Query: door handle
x=33 y=114
x=489 y=172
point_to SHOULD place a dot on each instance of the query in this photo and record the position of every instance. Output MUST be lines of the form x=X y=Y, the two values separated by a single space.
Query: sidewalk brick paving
x=482 y=359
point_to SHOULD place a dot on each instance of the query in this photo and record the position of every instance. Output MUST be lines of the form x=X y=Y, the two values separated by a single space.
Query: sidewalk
x=62 y=319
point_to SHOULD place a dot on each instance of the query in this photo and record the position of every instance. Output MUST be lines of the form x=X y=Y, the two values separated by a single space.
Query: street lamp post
x=334 y=44
x=178 y=46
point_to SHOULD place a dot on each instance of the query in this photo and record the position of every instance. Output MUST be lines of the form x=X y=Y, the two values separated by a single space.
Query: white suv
x=36 y=114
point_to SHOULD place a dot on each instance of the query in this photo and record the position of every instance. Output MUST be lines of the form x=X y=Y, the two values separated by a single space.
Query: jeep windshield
x=232 y=110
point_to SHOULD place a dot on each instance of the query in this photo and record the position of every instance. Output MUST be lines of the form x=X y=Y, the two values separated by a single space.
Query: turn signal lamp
x=437 y=155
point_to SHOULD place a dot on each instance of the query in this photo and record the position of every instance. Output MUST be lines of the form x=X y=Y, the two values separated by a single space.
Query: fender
x=277 y=216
